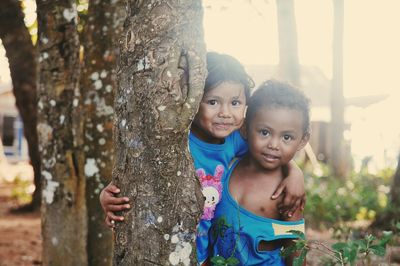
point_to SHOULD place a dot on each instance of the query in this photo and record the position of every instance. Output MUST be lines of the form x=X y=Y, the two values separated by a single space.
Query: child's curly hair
x=276 y=94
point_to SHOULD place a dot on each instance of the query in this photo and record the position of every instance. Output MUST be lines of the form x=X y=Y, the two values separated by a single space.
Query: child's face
x=275 y=135
x=221 y=112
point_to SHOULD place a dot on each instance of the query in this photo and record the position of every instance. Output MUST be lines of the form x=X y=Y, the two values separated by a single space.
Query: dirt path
x=20 y=240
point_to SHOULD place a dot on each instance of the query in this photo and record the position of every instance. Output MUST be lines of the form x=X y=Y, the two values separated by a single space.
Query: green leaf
x=288 y=250
x=218 y=260
x=232 y=261
x=398 y=225
x=340 y=246
x=298 y=261
x=297 y=233
x=378 y=250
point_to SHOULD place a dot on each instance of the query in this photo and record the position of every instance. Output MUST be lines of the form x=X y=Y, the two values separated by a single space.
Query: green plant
x=341 y=253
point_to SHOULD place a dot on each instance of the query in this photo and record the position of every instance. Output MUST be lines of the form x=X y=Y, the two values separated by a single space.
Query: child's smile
x=275 y=135
x=220 y=113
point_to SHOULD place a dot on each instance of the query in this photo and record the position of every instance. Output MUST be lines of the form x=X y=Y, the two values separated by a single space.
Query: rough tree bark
x=21 y=55
x=161 y=79
x=289 y=67
x=64 y=218
x=104 y=25
x=337 y=99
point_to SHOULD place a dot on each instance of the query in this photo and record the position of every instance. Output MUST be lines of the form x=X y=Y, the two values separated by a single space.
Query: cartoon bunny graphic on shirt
x=211 y=187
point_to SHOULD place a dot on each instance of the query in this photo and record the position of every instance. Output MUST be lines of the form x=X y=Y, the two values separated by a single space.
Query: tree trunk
x=337 y=98
x=161 y=80
x=21 y=55
x=104 y=25
x=64 y=221
x=289 y=68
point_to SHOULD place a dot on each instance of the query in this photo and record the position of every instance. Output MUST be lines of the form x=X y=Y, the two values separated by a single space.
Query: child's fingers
x=112 y=216
x=113 y=189
x=110 y=223
x=278 y=191
x=118 y=207
x=293 y=209
x=117 y=201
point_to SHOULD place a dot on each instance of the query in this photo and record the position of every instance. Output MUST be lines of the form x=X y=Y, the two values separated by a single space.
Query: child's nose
x=273 y=144
x=224 y=111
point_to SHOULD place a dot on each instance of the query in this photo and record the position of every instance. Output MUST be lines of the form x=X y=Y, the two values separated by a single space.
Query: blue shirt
x=211 y=162
x=237 y=232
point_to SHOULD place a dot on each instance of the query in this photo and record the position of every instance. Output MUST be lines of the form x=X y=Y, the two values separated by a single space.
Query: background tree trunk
x=104 y=24
x=161 y=80
x=337 y=99
x=64 y=219
x=21 y=55
x=289 y=67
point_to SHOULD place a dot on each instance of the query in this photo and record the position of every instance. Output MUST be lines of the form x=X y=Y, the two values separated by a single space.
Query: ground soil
x=20 y=240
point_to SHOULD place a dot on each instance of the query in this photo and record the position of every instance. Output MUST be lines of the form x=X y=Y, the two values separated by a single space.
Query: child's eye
x=264 y=132
x=212 y=102
x=287 y=137
x=235 y=103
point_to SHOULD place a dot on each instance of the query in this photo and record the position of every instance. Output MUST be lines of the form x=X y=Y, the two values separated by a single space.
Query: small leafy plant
x=342 y=253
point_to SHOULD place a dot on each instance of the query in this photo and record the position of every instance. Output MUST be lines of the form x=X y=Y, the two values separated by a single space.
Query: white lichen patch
x=102 y=141
x=98 y=84
x=48 y=163
x=174 y=239
x=166 y=237
x=178 y=173
x=53 y=103
x=169 y=74
x=54 y=241
x=48 y=191
x=108 y=88
x=102 y=108
x=75 y=102
x=143 y=64
x=70 y=13
x=123 y=122
x=45 y=133
x=44 y=40
x=161 y=108
x=103 y=74
x=159 y=219
x=95 y=76
x=62 y=118
x=100 y=127
x=181 y=254
x=40 y=104
x=90 y=167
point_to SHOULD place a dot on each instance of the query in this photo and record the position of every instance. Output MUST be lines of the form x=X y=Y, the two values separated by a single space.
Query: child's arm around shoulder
x=293 y=188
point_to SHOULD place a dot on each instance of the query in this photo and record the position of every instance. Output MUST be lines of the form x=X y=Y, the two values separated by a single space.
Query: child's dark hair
x=273 y=94
x=224 y=68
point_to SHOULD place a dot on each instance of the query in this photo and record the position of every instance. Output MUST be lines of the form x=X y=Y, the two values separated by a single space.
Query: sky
x=247 y=29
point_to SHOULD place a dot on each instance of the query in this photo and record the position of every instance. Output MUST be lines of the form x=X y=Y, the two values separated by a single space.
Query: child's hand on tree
x=110 y=204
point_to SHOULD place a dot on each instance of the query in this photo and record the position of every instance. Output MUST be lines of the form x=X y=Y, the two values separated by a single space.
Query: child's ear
x=304 y=141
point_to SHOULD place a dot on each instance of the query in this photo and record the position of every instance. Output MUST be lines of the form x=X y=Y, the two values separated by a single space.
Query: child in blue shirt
x=247 y=224
x=214 y=141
